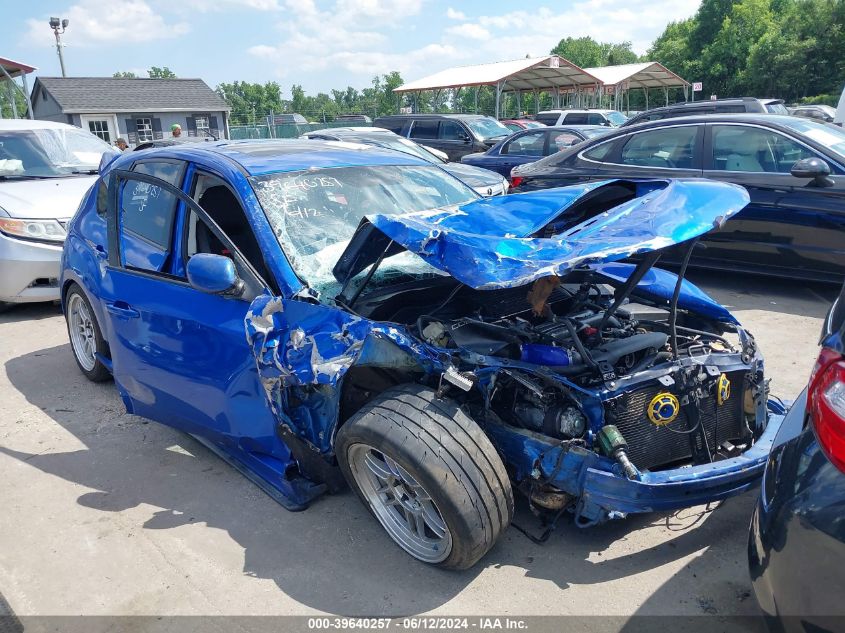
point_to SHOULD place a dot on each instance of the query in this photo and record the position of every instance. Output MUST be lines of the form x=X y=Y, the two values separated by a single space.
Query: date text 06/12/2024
x=482 y=623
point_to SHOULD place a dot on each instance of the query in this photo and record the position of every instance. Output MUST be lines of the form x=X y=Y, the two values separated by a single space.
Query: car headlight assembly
x=38 y=230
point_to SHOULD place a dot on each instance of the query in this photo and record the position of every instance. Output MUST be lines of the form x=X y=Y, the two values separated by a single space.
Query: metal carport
x=9 y=70
x=550 y=73
x=646 y=75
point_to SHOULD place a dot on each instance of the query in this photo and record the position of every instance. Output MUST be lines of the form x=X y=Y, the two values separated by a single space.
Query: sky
x=319 y=44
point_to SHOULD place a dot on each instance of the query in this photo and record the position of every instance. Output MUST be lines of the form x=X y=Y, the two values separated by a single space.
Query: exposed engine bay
x=586 y=334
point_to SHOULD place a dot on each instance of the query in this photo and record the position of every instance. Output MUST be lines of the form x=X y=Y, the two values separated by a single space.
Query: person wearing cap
x=121 y=144
x=176 y=130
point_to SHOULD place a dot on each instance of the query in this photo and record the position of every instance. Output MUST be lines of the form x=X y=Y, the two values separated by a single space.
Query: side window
x=600 y=152
x=392 y=125
x=730 y=109
x=452 y=131
x=576 y=118
x=751 y=149
x=223 y=207
x=526 y=145
x=146 y=214
x=670 y=148
x=424 y=129
x=595 y=119
x=562 y=140
x=547 y=119
x=169 y=172
x=103 y=196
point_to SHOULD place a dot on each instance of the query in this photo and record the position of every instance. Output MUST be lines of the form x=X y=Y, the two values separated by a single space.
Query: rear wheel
x=86 y=341
x=429 y=475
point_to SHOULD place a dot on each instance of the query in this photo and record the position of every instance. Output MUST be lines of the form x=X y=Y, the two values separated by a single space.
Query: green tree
x=251 y=100
x=587 y=52
x=774 y=48
x=6 y=105
x=161 y=73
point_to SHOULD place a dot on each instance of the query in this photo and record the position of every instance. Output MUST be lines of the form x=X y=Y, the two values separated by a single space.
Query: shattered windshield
x=49 y=152
x=314 y=213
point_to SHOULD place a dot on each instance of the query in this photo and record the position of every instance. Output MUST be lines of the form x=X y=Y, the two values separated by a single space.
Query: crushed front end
x=608 y=387
x=602 y=413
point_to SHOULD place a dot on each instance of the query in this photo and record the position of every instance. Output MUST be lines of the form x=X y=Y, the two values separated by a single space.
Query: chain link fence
x=285 y=130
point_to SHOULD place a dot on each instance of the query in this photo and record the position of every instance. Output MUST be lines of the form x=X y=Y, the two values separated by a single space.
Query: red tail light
x=826 y=404
x=515 y=180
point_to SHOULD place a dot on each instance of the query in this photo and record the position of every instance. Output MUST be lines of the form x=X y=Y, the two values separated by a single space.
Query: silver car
x=45 y=169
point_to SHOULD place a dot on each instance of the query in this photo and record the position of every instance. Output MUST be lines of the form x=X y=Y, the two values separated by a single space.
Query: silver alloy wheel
x=401 y=504
x=82 y=336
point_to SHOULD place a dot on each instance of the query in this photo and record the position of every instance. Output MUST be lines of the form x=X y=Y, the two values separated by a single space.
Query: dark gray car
x=455 y=134
x=717 y=106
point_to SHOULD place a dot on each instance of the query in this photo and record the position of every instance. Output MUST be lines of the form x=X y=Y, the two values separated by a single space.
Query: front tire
x=86 y=339
x=429 y=474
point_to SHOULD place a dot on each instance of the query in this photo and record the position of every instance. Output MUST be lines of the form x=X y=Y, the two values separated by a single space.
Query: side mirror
x=214 y=274
x=814 y=168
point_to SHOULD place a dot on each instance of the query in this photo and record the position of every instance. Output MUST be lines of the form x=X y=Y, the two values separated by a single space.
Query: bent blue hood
x=496 y=243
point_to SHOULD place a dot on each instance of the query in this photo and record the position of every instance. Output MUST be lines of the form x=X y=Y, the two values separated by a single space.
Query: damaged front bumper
x=603 y=492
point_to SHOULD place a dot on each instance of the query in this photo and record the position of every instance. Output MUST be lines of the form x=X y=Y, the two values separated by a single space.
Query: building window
x=203 y=129
x=144 y=126
x=101 y=129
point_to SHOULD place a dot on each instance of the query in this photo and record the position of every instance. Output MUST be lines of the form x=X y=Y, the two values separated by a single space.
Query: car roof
x=776 y=120
x=710 y=103
x=575 y=126
x=435 y=116
x=258 y=157
x=31 y=124
x=578 y=110
x=351 y=131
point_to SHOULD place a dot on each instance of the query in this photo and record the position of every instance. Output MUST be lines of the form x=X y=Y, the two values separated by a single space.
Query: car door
x=454 y=139
x=424 y=132
x=668 y=151
x=522 y=148
x=791 y=226
x=179 y=355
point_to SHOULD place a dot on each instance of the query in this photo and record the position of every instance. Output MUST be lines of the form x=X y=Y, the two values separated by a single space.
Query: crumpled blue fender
x=297 y=343
x=488 y=245
x=660 y=284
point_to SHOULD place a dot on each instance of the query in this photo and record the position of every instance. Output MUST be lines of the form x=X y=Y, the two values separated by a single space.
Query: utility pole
x=55 y=24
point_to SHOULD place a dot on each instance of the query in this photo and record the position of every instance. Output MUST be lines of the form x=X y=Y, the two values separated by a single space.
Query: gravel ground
x=104 y=514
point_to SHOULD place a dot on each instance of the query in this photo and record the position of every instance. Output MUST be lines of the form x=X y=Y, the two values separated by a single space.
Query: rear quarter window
x=392 y=125
x=599 y=153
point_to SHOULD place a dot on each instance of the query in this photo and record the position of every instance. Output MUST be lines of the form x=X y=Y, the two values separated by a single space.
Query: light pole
x=55 y=24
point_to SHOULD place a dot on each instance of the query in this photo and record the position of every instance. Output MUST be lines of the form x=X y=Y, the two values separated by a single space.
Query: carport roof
x=15 y=69
x=543 y=73
x=642 y=75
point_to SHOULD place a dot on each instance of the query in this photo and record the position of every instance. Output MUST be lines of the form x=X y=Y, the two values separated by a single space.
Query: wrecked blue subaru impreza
x=322 y=314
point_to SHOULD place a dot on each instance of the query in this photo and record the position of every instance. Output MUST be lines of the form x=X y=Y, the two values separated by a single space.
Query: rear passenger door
x=665 y=152
x=453 y=139
x=523 y=148
x=425 y=132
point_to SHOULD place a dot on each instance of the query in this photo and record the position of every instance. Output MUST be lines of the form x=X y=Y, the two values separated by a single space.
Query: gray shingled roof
x=113 y=94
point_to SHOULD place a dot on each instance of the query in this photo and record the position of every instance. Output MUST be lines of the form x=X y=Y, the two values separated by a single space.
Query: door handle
x=123 y=310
